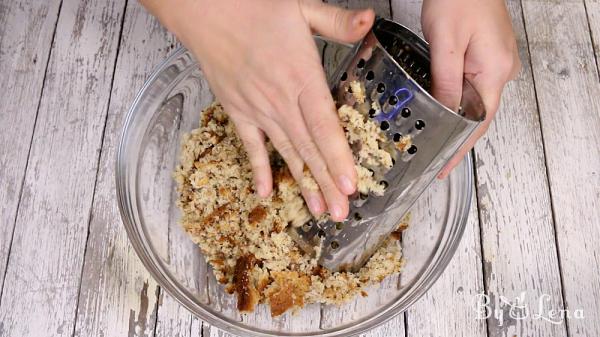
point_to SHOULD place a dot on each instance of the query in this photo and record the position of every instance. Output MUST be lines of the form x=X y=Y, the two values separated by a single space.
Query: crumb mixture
x=244 y=238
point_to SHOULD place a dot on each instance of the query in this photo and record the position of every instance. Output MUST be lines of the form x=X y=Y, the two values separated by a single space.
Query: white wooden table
x=69 y=70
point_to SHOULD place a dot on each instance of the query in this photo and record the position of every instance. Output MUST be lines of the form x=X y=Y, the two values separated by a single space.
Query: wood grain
x=519 y=251
x=43 y=275
x=118 y=297
x=447 y=309
x=26 y=31
x=568 y=91
x=593 y=15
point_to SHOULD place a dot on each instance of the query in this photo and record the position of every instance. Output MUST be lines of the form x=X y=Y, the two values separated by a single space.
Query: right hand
x=262 y=63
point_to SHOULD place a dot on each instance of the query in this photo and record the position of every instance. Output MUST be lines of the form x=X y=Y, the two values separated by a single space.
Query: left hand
x=471 y=39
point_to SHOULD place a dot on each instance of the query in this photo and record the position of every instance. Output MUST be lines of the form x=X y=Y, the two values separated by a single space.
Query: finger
x=337 y=23
x=490 y=94
x=447 y=65
x=460 y=155
x=323 y=124
x=286 y=149
x=254 y=143
x=337 y=202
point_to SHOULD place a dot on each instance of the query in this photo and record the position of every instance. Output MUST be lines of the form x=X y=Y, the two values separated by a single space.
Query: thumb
x=339 y=24
x=490 y=92
x=447 y=64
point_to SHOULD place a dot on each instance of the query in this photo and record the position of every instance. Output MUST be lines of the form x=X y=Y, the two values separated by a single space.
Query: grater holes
x=380 y=88
x=397 y=137
x=384 y=184
x=372 y=112
x=321 y=233
x=344 y=76
x=363 y=196
x=390 y=104
x=307 y=226
x=357 y=216
x=360 y=64
x=384 y=125
x=412 y=149
x=335 y=244
x=370 y=75
x=339 y=226
x=419 y=124
x=405 y=113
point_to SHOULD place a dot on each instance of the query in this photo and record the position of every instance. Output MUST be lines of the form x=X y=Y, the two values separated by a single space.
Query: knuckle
x=252 y=146
x=447 y=86
x=285 y=148
x=308 y=151
x=322 y=128
x=507 y=63
x=339 y=19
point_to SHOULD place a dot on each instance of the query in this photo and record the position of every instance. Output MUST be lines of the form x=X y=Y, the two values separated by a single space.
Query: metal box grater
x=393 y=64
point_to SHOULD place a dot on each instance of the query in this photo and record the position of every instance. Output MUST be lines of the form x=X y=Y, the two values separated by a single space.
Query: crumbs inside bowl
x=244 y=238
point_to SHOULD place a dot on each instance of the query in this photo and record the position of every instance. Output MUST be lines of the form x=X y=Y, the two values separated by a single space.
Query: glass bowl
x=168 y=106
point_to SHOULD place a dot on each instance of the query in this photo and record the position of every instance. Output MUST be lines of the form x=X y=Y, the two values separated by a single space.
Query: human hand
x=262 y=63
x=471 y=39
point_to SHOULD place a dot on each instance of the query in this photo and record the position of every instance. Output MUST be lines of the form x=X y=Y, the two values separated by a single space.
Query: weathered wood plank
x=568 y=93
x=44 y=269
x=26 y=31
x=520 y=259
x=447 y=308
x=593 y=15
x=118 y=297
x=393 y=328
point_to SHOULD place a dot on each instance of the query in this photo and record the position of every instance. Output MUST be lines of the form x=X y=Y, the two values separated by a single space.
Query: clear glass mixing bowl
x=167 y=107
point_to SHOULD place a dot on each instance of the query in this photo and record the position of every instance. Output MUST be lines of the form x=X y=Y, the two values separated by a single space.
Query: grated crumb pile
x=244 y=238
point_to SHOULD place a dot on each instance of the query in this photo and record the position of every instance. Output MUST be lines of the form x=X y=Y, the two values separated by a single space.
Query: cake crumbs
x=308 y=182
x=358 y=91
x=404 y=143
x=244 y=238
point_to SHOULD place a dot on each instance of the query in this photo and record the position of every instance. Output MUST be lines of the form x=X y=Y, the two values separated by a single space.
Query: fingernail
x=336 y=211
x=262 y=190
x=314 y=204
x=346 y=185
x=442 y=175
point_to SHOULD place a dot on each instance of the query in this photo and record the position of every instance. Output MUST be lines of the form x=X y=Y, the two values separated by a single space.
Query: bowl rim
x=153 y=264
